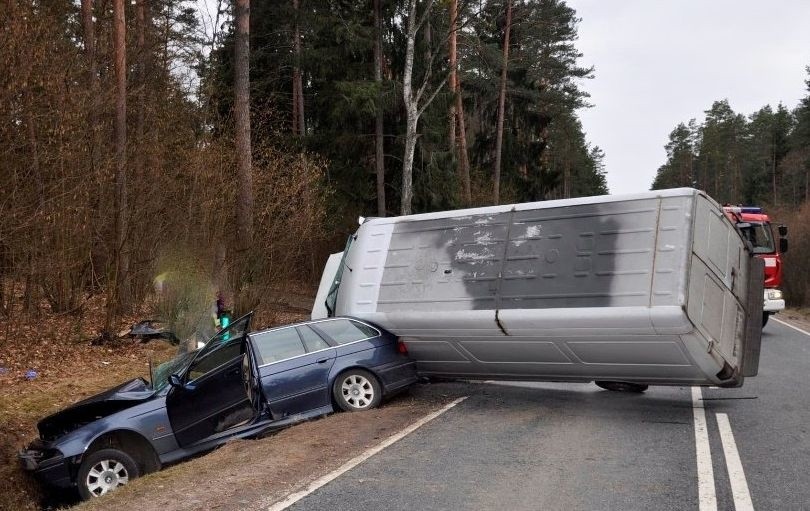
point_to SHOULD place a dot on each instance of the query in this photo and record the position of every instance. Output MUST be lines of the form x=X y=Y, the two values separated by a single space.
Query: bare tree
x=244 y=211
x=415 y=102
x=379 y=146
x=496 y=175
x=298 y=86
x=121 y=294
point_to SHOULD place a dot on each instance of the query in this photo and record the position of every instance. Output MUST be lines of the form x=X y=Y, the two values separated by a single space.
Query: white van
x=652 y=288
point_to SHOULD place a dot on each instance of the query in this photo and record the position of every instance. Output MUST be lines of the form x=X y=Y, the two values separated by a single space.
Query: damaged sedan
x=238 y=385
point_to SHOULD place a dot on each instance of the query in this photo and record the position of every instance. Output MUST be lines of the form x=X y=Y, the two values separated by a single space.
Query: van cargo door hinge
x=712 y=342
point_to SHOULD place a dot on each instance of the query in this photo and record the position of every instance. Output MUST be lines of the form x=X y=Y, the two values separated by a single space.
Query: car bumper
x=48 y=466
x=773 y=301
x=397 y=376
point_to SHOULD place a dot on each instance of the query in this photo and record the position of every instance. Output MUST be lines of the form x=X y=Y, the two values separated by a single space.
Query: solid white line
x=295 y=497
x=739 y=486
x=805 y=332
x=707 y=498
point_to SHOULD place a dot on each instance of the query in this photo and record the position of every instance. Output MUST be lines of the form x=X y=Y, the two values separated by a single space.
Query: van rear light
x=401 y=347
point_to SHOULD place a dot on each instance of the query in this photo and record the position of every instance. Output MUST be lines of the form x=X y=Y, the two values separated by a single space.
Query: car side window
x=277 y=345
x=213 y=359
x=312 y=341
x=345 y=330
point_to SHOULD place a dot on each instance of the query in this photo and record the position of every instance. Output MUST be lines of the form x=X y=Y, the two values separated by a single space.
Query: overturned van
x=653 y=288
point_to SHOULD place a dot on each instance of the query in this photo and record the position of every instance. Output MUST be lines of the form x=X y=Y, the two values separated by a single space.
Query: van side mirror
x=783 y=230
x=783 y=245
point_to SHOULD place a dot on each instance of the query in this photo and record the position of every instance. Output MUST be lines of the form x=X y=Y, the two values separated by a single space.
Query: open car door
x=211 y=395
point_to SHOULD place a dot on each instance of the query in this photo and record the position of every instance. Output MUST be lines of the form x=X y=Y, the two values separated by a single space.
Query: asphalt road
x=545 y=446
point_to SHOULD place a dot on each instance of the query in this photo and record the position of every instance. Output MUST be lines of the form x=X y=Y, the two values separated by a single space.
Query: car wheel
x=105 y=470
x=622 y=386
x=765 y=317
x=356 y=390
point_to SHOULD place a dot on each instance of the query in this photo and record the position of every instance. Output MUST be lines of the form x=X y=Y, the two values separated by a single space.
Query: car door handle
x=322 y=360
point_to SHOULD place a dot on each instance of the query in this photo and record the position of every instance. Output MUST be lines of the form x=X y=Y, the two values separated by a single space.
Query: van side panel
x=651 y=288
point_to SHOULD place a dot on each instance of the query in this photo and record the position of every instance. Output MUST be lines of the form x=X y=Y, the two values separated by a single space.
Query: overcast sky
x=660 y=63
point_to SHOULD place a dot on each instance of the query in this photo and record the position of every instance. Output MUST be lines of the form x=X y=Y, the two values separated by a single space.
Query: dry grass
x=69 y=368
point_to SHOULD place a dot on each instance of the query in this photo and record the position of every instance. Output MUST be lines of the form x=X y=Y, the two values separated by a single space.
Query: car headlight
x=774 y=294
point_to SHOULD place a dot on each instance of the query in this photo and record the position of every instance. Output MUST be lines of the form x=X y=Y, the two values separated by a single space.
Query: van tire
x=622 y=386
x=765 y=317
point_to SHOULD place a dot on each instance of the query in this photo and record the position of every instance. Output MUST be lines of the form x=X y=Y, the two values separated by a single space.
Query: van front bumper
x=774 y=302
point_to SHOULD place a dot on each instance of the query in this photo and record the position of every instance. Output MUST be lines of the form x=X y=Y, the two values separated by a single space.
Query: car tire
x=622 y=386
x=356 y=390
x=105 y=470
x=765 y=317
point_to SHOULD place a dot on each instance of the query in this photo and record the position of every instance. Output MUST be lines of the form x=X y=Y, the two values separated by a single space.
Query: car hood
x=106 y=403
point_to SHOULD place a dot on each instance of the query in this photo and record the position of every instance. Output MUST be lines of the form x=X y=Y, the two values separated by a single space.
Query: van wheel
x=765 y=317
x=105 y=470
x=622 y=386
x=356 y=390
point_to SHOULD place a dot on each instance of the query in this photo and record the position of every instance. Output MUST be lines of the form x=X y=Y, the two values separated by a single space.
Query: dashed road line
x=368 y=453
x=707 y=496
x=736 y=475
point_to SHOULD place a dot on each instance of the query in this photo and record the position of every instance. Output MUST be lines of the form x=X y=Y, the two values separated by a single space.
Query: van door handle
x=323 y=360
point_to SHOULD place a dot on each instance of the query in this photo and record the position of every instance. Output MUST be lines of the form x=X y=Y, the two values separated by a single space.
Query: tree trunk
x=142 y=53
x=407 y=163
x=464 y=159
x=453 y=57
x=121 y=294
x=89 y=35
x=244 y=209
x=496 y=177
x=298 y=88
x=379 y=146
x=457 y=111
x=412 y=101
x=412 y=118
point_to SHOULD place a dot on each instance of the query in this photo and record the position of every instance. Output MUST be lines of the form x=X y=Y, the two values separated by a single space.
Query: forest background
x=214 y=146
x=233 y=151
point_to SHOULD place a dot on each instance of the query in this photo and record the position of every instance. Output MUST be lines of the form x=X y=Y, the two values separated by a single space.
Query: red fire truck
x=756 y=228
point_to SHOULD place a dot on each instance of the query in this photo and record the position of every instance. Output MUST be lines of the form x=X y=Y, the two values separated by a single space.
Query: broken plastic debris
x=3 y=370
x=31 y=374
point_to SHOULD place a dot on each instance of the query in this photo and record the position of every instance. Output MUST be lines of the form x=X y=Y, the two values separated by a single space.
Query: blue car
x=238 y=385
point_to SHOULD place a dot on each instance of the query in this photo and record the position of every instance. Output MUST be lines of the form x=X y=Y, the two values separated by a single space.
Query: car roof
x=316 y=321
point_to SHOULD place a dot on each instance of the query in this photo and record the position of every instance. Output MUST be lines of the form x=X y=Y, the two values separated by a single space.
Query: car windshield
x=160 y=374
x=760 y=237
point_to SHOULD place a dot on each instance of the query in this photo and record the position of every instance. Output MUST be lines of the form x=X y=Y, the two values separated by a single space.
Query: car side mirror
x=176 y=382
x=783 y=245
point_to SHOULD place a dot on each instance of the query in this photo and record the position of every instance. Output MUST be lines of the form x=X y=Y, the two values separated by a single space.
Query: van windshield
x=761 y=238
x=331 y=297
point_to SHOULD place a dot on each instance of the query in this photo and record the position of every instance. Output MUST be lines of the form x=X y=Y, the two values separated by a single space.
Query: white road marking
x=739 y=486
x=707 y=497
x=368 y=453
x=805 y=332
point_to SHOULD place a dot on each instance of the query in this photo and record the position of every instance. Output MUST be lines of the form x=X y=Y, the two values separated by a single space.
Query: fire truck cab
x=755 y=227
